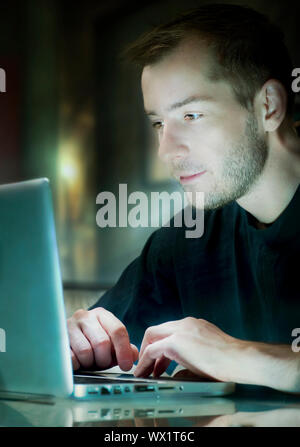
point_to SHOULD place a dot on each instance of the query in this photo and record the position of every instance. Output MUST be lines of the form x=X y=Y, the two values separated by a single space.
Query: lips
x=190 y=178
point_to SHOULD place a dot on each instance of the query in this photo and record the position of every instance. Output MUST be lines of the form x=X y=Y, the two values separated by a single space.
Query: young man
x=216 y=84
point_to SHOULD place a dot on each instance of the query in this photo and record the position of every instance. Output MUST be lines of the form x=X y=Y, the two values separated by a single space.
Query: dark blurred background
x=73 y=112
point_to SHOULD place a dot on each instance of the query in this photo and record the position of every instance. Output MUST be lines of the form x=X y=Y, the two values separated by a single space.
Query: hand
x=196 y=344
x=98 y=338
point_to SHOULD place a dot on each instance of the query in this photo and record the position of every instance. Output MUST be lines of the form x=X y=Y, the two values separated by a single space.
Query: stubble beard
x=241 y=169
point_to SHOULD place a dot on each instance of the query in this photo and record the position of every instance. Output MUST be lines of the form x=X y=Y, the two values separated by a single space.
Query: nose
x=171 y=144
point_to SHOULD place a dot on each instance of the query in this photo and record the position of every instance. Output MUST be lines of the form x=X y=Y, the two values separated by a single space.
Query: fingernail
x=126 y=365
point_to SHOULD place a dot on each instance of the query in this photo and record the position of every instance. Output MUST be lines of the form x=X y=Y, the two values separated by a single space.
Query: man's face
x=208 y=140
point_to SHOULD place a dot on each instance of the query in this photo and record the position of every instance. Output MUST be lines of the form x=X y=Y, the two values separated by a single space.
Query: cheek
x=215 y=137
x=208 y=141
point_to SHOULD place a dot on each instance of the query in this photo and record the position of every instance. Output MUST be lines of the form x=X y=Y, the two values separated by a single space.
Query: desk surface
x=248 y=406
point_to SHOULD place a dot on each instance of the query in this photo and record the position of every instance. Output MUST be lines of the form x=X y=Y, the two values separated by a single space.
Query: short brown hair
x=249 y=49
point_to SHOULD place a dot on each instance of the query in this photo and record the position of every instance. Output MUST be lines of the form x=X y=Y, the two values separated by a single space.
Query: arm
x=204 y=349
x=272 y=365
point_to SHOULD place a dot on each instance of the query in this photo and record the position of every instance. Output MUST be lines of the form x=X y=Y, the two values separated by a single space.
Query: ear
x=274 y=103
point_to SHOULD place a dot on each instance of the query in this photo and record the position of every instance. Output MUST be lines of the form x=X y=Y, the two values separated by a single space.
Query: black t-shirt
x=243 y=279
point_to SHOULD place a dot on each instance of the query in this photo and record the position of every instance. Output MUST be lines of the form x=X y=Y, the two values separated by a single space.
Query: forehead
x=183 y=72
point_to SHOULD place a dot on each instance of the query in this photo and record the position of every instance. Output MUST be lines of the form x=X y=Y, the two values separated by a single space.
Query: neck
x=278 y=182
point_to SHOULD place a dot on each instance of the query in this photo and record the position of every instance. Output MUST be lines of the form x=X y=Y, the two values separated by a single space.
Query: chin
x=216 y=200
x=212 y=199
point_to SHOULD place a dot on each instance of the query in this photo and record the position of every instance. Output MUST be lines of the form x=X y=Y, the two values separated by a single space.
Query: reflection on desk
x=259 y=408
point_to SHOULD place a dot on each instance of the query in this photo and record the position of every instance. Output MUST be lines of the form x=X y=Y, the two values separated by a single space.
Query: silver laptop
x=34 y=346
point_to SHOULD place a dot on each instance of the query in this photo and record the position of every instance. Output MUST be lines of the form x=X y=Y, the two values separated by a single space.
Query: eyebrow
x=184 y=102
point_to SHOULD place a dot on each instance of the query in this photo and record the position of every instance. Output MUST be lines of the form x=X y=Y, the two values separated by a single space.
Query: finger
x=185 y=374
x=75 y=362
x=81 y=347
x=135 y=352
x=99 y=340
x=151 y=353
x=119 y=338
x=154 y=333
x=161 y=365
x=147 y=370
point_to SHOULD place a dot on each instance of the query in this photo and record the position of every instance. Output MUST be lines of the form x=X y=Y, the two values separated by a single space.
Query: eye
x=192 y=116
x=157 y=124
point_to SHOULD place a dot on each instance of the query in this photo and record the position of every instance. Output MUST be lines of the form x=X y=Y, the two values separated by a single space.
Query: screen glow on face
x=201 y=128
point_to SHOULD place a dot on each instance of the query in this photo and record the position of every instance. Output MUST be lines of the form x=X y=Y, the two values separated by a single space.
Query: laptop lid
x=34 y=352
